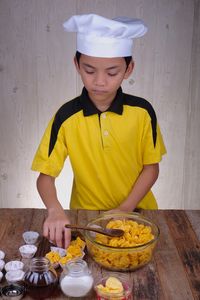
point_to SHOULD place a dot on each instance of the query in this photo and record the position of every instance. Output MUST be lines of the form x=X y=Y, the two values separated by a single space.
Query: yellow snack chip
x=74 y=250
x=114 y=284
x=103 y=289
x=65 y=259
x=100 y=286
x=78 y=242
x=53 y=257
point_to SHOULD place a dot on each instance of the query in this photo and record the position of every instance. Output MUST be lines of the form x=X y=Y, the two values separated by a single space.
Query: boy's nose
x=100 y=80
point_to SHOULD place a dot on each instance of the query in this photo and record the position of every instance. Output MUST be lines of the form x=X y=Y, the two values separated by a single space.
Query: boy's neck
x=102 y=104
x=102 y=107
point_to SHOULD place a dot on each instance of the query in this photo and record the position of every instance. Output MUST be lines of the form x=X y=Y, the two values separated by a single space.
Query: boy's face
x=102 y=76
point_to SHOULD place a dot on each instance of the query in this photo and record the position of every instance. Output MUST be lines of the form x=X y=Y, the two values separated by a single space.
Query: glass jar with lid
x=40 y=278
x=76 y=279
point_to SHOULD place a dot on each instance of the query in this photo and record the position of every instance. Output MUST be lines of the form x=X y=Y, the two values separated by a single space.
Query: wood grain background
x=37 y=76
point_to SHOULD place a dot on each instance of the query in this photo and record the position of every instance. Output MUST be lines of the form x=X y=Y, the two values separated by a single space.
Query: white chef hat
x=101 y=37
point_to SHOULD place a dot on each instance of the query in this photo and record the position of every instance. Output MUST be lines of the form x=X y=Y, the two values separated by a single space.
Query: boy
x=112 y=139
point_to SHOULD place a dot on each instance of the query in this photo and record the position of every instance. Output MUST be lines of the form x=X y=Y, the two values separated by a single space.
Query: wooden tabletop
x=174 y=272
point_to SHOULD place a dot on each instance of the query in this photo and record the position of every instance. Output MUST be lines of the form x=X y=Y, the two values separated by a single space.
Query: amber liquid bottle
x=40 y=279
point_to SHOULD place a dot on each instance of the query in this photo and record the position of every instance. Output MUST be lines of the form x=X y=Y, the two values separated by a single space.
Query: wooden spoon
x=113 y=232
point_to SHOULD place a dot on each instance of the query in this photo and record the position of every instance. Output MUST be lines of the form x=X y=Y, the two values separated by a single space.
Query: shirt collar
x=90 y=109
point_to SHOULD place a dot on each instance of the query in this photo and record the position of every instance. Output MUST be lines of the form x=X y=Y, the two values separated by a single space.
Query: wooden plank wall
x=37 y=76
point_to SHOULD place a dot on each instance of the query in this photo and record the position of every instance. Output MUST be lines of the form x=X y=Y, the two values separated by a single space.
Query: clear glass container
x=113 y=294
x=76 y=279
x=40 y=278
x=120 y=256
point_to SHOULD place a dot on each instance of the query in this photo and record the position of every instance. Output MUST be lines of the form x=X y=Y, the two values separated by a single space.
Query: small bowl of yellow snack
x=128 y=252
x=73 y=252
x=61 y=258
x=113 y=286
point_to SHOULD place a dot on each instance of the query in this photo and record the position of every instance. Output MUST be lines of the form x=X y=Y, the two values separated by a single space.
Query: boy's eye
x=112 y=74
x=89 y=72
x=92 y=72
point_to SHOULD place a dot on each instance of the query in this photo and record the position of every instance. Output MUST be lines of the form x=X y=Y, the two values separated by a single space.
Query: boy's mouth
x=99 y=92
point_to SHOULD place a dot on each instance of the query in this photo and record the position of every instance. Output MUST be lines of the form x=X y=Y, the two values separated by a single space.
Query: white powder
x=76 y=287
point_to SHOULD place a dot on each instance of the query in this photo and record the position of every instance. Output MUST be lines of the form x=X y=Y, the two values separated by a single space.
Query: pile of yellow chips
x=75 y=250
x=134 y=234
x=112 y=286
x=123 y=258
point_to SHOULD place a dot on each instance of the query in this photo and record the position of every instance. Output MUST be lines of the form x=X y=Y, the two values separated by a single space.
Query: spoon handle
x=86 y=228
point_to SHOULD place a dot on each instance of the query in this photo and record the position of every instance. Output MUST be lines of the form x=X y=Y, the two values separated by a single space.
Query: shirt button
x=104 y=115
x=106 y=133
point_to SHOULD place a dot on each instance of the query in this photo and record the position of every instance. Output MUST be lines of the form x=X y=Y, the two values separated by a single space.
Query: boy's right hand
x=54 y=228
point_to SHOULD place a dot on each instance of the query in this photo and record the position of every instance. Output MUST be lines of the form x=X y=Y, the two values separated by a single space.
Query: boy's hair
x=127 y=58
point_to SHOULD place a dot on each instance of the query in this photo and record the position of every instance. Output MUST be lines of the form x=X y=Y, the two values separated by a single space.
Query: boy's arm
x=53 y=227
x=145 y=181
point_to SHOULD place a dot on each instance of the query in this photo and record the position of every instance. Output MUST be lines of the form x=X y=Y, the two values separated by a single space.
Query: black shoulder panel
x=64 y=112
x=140 y=102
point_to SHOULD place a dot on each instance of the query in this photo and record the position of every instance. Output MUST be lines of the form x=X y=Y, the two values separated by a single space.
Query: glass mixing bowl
x=129 y=252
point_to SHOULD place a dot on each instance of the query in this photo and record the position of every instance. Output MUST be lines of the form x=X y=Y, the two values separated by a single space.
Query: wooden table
x=174 y=272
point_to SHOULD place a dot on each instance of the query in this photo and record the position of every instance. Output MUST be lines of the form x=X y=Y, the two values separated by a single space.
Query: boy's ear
x=76 y=64
x=129 y=69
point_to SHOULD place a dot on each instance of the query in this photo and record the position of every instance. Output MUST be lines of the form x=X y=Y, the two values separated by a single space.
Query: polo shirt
x=107 y=150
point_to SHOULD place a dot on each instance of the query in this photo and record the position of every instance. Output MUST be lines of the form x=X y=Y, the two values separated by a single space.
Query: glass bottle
x=40 y=278
x=76 y=279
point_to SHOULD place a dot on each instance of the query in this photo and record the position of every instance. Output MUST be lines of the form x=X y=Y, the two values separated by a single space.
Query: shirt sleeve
x=50 y=162
x=152 y=152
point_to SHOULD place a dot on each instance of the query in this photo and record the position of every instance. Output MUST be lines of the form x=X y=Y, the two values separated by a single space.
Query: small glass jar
x=40 y=278
x=76 y=279
x=125 y=280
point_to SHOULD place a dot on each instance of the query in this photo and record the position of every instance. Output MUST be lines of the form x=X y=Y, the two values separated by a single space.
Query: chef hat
x=101 y=37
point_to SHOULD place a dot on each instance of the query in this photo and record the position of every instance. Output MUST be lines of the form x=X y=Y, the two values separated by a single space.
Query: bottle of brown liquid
x=41 y=278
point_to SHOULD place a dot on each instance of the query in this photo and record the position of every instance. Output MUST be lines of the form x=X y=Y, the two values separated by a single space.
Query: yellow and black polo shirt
x=107 y=149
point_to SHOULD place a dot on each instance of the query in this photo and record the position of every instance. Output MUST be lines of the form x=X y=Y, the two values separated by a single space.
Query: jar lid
x=13 y=291
x=77 y=267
